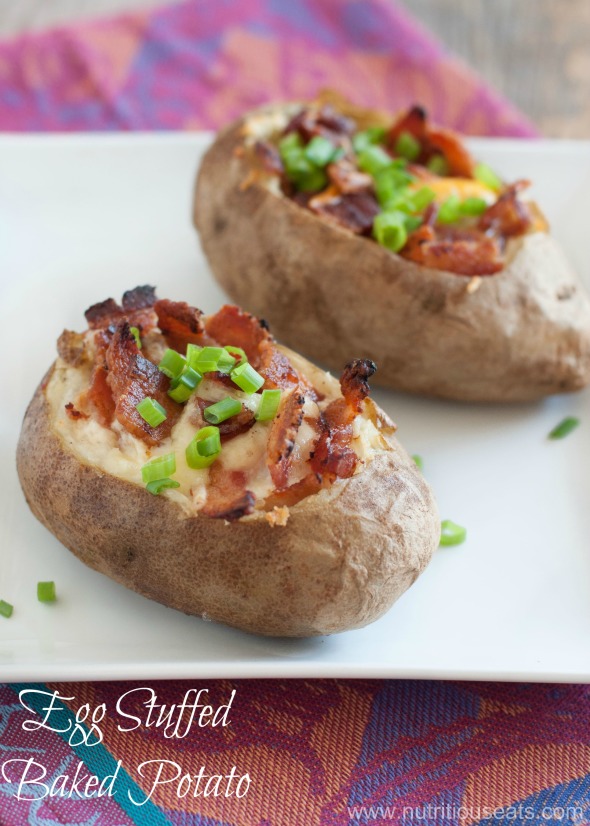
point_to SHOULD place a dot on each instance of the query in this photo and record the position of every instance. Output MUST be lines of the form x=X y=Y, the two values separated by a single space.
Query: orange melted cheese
x=464 y=188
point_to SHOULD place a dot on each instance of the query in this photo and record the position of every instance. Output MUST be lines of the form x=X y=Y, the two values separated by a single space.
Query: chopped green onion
x=172 y=364
x=185 y=385
x=374 y=159
x=413 y=222
x=420 y=199
x=473 y=206
x=204 y=448
x=192 y=354
x=306 y=176
x=237 y=353
x=159 y=468
x=391 y=185
x=289 y=143
x=6 y=609
x=389 y=229
x=206 y=359
x=451 y=533
x=158 y=485
x=222 y=410
x=564 y=428
x=210 y=445
x=375 y=134
x=438 y=165
x=310 y=180
x=418 y=461
x=320 y=151
x=46 y=591
x=151 y=411
x=246 y=377
x=226 y=362
x=269 y=404
x=304 y=165
x=135 y=333
x=194 y=459
x=407 y=146
x=450 y=210
x=487 y=176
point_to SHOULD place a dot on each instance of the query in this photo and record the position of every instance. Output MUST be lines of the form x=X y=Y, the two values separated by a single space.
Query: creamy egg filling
x=115 y=451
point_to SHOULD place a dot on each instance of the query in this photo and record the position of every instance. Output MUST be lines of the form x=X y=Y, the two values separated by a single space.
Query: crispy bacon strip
x=103 y=314
x=276 y=368
x=227 y=497
x=448 y=143
x=354 y=382
x=472 y=254
x=508 y=216
x=231 y=325
x=347 y=178
x=139 y=298
x=131 y=378
x=234 y=426
x=269 y=157
x=98 y=396
x=325 y=121
x=138 y=306
x=434 y=140
x=310 y=484
x=137 y=309
x=180 y=323
x=354 y=211
x=333 y=455
x=282 y=436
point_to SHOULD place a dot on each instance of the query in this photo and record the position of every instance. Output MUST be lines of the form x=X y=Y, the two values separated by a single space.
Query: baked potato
x=357 y=236
x=195 y=461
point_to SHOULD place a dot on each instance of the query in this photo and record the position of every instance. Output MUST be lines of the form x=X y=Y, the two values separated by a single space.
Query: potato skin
x=523 y=334
x=339 y=563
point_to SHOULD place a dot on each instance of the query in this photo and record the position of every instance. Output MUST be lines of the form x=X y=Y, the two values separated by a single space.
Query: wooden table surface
x=536 y=52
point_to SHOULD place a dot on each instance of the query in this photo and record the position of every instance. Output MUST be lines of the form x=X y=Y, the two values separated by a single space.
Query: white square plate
x=86 y=217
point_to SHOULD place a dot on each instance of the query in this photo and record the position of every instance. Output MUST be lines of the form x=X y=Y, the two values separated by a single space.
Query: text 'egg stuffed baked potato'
x=356 y=234
x=195 y=461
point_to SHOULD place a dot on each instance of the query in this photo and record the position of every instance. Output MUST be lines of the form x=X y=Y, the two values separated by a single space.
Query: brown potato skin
x=523 y=334
x=333 y=567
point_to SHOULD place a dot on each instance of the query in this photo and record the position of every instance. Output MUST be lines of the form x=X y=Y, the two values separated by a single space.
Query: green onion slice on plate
x=564 y=428
x=451 y=533
x=46 y=591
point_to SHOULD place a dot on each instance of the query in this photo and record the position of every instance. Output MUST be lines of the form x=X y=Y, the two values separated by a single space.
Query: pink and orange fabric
x=317 y=752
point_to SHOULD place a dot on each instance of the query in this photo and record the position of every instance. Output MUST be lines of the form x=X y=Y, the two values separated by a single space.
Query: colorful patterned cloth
x=199 y=64
x=321 y=752
x=316 y=752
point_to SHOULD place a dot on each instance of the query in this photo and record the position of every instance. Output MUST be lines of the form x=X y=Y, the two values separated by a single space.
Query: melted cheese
x=464 y=188
x=115 y=451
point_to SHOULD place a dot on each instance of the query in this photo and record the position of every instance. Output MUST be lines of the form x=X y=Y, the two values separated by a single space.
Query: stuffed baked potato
x=195 y=461
x=356 y=235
